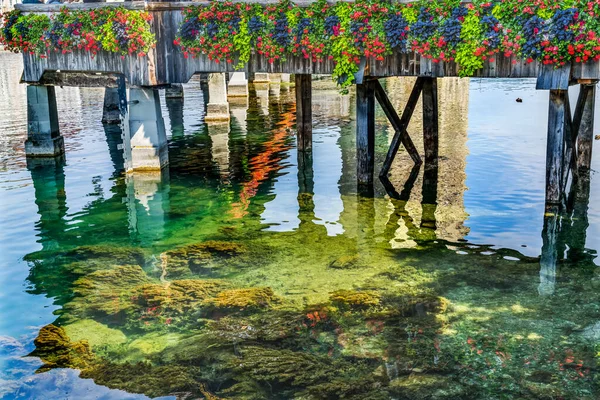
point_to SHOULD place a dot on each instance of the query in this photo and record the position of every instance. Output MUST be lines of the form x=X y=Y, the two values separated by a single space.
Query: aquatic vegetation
x=106 y=292
x=145 y=378
x=200 y=257
x=243 y=299
x=56 y=350
x=96 y=334
x=354 y=299
x=346 y=262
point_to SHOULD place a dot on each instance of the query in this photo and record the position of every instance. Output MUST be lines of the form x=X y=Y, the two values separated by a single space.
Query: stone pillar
x=217 y=108
x=219 y=136
x=175 y=91
x=145 y=139
x=275 y=84
x=285 y=78
x=110 y=110
x=147 y=203
x=261 y=77
x=43 y=134
x=238 y=85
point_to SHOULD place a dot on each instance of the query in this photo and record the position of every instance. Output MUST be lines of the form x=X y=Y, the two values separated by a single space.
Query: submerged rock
x=179 y=296
x=107 y=292
x=199 y=257
x=346 y=262
x=56 y=350
x=243 y=299
x=96 y=334
x=354 y=299
x=417 y=386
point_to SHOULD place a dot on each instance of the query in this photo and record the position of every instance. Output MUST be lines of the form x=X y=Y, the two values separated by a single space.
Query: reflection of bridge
x=421 y=208
x=569 y=138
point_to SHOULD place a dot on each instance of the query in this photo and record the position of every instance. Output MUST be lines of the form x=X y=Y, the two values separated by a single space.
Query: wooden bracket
x=399 y=124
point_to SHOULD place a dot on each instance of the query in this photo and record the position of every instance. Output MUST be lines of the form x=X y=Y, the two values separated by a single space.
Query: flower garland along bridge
x=109 y=45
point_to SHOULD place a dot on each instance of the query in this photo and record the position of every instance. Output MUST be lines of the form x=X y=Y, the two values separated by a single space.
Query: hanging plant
x=115 y=30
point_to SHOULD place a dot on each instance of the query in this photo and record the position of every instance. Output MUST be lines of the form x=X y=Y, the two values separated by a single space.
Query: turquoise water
x=235 y=274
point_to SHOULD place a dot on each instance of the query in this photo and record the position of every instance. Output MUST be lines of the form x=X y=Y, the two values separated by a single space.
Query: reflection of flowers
x=264 y=164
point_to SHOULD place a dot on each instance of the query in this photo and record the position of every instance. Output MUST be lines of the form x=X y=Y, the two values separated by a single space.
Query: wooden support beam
x=399 y=124
x=555 y=146
x=304 y=112
x=430 y=122
x=365 y=132
x=584 y=127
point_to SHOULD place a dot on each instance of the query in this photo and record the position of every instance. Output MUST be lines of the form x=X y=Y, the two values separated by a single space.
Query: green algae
x=354 y=299
x=243 y=299
x=96 y=334
x=200 y=257
x=56 y=350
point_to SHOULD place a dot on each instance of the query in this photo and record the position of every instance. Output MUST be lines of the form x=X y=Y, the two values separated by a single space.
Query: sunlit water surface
x=238 y=274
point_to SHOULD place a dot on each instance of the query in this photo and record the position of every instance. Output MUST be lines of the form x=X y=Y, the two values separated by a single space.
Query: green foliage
x=466 y=52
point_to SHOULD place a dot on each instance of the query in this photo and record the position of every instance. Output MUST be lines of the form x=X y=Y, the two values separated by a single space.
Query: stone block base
x=216 y=112
x=147 y=159
x=44 y=147
x=237 y=90
x=261 y=77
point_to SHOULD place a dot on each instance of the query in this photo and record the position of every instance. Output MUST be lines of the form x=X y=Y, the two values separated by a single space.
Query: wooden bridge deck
x=166 y=63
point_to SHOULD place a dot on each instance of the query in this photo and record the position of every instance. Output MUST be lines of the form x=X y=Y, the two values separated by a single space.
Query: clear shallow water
x=233 y=274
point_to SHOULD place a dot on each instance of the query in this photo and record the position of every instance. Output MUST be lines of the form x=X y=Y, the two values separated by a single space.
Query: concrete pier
x=238 y=85
x=43 y=134
x=110 y=110
x=217 y=109
x=145 y=139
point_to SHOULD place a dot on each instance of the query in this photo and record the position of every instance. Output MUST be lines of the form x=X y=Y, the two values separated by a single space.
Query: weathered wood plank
x=555 y=145
x=585 y=126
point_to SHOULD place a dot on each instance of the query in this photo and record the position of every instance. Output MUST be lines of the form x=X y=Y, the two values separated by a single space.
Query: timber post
x=430 y=122
x=304 y=112
x=43 y=134
x=585 y=126
x=365 y=132
x=555 y=147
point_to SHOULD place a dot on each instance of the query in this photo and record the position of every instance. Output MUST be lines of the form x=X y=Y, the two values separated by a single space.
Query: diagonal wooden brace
x=400 y=124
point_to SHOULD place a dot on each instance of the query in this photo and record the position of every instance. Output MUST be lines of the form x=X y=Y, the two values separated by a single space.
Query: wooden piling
x=304 y=111
x=555 y=147
x=430 y=122
x=584 y=123
x=365 y=132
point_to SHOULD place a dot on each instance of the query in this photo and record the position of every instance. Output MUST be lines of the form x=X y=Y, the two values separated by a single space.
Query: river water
x=236 y=274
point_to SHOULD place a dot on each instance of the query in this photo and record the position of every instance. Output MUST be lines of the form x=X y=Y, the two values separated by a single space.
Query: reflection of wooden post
x=304 y=111
x=550 y=251
x=576 y=230
x=430 y=122
x=555 y=145
x=585 y=137
x=365 y=132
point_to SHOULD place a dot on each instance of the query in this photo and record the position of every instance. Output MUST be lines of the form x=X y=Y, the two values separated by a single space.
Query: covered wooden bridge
x=135 y=82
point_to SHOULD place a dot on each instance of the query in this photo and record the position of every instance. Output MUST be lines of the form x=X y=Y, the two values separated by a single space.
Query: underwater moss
x=199 y=257
x=145 y=378
x=354 y=299
x=180 y=295
x=346 y=262
x=420 y=386
x=56 y=350
x=243 y=299
x=106 y=292
x=96 y=334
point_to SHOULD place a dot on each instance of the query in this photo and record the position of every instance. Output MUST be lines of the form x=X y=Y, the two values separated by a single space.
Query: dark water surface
x=236 y=274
